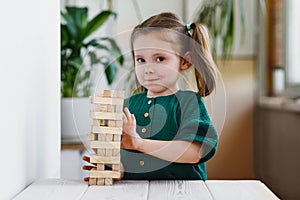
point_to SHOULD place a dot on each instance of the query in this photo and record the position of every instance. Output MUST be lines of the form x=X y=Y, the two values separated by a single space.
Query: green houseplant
x=220 y=18
x=81 y=51
x=78 y=49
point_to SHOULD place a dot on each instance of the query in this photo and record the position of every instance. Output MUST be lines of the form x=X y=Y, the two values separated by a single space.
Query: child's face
x=157 y=65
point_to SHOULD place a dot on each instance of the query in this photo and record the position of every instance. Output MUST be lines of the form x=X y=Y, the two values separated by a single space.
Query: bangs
x=174 y=37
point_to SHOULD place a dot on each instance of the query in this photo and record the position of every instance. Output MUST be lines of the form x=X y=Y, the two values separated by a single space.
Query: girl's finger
x=86 y=158
x=127 y=112
x=86 y=179
x=124 y=118
x=87 y=167
x=133 y=119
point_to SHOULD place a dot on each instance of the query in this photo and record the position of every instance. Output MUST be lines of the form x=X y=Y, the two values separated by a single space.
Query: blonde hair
x=195 y=40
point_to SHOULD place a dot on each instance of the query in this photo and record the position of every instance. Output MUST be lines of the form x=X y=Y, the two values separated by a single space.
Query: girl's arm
x=172 y=151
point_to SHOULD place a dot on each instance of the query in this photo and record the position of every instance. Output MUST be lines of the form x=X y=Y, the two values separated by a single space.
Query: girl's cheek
x=137 y=69
x=139 y=72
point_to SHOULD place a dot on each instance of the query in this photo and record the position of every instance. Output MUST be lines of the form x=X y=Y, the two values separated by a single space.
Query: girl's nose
x=149 y=70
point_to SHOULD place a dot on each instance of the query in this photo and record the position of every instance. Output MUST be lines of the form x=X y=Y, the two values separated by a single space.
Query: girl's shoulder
x=135 y=98
x=182 y=96
x=138 y=96
x=188 y=94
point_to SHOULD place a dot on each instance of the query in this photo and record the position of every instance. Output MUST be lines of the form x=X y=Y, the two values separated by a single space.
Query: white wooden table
x=56 y=189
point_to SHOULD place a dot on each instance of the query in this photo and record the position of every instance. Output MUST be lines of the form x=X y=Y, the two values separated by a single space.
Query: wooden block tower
x=105 y=136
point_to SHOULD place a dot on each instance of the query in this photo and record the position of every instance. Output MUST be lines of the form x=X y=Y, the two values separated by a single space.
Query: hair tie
x=188 y=27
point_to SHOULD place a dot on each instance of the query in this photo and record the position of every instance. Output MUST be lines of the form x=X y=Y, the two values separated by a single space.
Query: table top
x=55 y=189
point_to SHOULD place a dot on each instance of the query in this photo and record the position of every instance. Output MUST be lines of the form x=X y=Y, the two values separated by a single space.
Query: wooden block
x=106 y=130
x=108 y=152
x=109 y=137
x=106 y=100
x=116 y=167
x=105 y=136
x=105 y=93
x=111 y=108
x=119 y=108
x=100 y=107
x=92 y=181
x=111 y=123
x=104 y=174
x=119 y=123
x=101 y=137
x=100 y=167
x=117 y=137
x=107 y=115
x=100 y=181
x=103 y=145
x=116 y=152
x=111 y=93
x=95 y=122
x=91 y=136
x=105 y=159
x=100 y=152
x=115 y=123
x=98 y=122
x=108 y=181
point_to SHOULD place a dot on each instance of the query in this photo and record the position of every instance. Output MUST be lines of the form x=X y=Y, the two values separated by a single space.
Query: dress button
x=142 y=163
x=144 y=130
x=149 y=102
x=146 y=114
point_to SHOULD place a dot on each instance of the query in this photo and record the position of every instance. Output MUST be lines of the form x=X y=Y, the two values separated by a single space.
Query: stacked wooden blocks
x=105 y=136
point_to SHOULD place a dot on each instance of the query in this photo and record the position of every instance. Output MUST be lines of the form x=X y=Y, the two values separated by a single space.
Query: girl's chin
x=158 y=91
x=154 y=88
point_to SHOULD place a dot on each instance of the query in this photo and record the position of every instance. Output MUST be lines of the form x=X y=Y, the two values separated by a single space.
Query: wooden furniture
x=275 y=42
x=276 y=145
x=54 y=189
x=73 y=146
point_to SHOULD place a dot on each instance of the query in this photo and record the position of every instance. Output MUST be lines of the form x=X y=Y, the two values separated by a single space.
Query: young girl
x=167 y=132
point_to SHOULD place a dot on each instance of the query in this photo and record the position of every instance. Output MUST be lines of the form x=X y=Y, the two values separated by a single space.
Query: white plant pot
x=75 y=118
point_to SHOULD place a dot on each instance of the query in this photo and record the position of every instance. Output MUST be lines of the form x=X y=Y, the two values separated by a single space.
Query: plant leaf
x=70 y=23
x=96 y=22
x=110 y=71
x=64 y=38
x=243 y=18
x=115 y=49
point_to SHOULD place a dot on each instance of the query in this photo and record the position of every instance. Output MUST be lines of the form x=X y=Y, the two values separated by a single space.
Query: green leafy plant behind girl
x=167 y=132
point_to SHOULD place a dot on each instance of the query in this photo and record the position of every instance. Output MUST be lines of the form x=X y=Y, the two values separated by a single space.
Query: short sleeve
x=126 y=102
x=195 y=125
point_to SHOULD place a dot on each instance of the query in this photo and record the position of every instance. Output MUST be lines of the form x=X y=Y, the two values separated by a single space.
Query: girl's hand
x=130 y=138
x=89 y=167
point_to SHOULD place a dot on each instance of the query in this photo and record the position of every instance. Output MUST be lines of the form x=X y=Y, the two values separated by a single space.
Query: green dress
x=179 y=116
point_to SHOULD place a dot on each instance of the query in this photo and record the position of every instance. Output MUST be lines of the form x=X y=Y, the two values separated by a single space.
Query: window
x=293 y=43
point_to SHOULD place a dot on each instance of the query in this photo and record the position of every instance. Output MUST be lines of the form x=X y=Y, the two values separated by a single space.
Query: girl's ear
x=186 y=61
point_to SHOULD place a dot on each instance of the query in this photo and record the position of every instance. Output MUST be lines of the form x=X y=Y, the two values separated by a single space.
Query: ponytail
x=205 y=67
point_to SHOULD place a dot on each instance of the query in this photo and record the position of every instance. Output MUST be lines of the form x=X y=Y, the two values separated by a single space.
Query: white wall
x=241 y=48
x=30 y=94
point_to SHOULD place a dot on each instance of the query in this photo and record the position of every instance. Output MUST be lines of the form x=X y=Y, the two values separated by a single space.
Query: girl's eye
x=140 y=60
x=160 y=59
